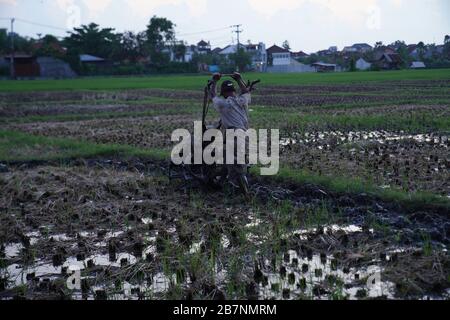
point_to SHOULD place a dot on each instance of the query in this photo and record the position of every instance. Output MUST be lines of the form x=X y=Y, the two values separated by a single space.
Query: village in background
x=91 y=50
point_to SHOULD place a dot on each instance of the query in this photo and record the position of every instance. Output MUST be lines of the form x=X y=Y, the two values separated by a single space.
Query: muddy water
x=323 y=139
x=293 y=275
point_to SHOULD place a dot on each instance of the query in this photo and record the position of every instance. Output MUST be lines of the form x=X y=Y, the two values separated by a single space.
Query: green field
x=384 y=91
x=85 y=176
x=194 y=82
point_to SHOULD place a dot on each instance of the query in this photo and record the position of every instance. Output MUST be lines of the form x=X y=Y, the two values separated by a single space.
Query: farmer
x=233 y=110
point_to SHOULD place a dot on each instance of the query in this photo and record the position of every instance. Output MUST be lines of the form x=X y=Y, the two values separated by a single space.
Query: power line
x=201 y=32
x=41 y=24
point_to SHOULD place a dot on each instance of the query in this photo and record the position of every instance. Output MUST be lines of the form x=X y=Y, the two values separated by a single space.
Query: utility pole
x=13 y=70
x=238 y=31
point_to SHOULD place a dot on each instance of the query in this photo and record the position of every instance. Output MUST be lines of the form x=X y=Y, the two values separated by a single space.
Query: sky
x=308 y=25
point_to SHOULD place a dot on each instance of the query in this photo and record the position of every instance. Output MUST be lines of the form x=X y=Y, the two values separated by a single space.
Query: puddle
x=319 y=277
x=303 y=233
x=13 y=250
x=102 y=260
x=18 y=275
x=147 y=220
x=338 y=138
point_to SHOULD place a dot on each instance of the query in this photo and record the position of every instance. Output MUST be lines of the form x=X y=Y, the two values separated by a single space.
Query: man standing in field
x=233 y=110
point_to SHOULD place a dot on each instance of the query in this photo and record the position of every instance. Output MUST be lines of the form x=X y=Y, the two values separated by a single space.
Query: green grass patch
x=357 y=186
x=415 y=122
x=19 y=147
x=170 y=111
x=194 y=82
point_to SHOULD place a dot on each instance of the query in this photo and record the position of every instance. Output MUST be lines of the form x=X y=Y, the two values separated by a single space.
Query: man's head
x=227 y=89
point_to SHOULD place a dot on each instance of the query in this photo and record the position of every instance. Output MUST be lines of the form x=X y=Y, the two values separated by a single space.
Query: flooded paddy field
x=132 y=233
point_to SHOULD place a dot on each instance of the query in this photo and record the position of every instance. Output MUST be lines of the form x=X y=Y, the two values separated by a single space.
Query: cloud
x=97 y=6
x=64 y=4
x=348 y=10
x=9 y=2
x=270 y=8
x=146 y=8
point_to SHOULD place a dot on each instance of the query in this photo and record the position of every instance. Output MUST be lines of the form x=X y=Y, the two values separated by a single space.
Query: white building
x=189 y=54
x=418 y=65
x=279 y=56
x=293 y=67
x=363 y=65
x=257 y=52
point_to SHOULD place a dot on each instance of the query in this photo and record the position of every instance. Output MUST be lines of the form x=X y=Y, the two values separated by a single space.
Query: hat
x=227 y=86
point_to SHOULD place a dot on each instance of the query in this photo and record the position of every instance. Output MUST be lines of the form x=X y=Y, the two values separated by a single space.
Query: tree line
x=126 y=53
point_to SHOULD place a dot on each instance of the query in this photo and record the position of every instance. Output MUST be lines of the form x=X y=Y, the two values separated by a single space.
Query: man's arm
x=238 y=78
x=213 y=85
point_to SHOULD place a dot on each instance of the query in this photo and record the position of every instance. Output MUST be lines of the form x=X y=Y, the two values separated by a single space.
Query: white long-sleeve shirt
x=233 y=111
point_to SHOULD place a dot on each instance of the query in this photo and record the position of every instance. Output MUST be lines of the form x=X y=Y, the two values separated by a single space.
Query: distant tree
x=352 y=65
x=3 y=40
x=378 y=45
x=421 y=50
x=49 y=45
x=160 y=32
x=241 y=59
x=132 y=46
x=286 y=45
x=313 y=58
x=402 y=50
x=447 y=47
x=90 y=39
x=179 y=50
x=21 y=44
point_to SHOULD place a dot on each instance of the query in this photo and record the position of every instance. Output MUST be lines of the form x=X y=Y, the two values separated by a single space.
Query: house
x=299 y=55
x=278 y=56
x=413 y=51
x=230 y=49
x=258 y=55
x=203 y=47
x=50 y=67
x=293 y=67
x=379 y=52
x=363 y=47
x=25 y=65
x=349 y=49
x=358 y=48
x=54 y=46
x=417 y=65
x=257 y=52
x=190 y=52
x=390 y=61
x=324 y=67
x=362 y=64
x=216 y=50
x=333 y=49
x=323 y=53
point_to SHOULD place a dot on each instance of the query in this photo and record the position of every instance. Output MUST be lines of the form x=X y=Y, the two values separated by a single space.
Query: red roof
x=276 y=49
x=300 y=54
x=203 y=43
